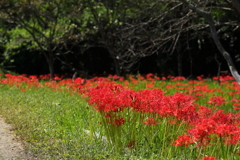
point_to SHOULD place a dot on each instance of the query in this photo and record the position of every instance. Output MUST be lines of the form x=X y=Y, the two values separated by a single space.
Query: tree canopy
x=123 y=36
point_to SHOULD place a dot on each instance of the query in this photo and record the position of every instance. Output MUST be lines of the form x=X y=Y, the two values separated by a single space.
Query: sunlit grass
x=52 y=123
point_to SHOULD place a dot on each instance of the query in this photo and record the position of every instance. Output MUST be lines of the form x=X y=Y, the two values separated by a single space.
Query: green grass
x=60 y=125
x=52 y=123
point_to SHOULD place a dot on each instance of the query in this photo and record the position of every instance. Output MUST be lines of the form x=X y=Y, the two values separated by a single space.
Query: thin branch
x=222 y=50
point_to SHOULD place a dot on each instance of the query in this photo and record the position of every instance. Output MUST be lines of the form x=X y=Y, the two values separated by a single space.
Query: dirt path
x=10 y=147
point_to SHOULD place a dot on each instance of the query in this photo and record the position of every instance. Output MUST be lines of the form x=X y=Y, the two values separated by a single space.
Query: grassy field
x=115 y=118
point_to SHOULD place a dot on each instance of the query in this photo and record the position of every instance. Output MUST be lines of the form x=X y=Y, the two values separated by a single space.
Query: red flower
x=236 y=108
x=223 y=118
x=57 y=78
x=108 y=115
x=184 y=140
x=150 y=121
x=118 y=122
x=149 y=85
x=131 y=144
x=208 y=158
x=238 y=153
x=224 y=130
x=202 y=130
x=204 y=111
x=216 y=101
x=23 y=89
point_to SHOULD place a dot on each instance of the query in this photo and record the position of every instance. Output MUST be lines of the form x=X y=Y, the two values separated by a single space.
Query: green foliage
x=57 y=25
x=19 y=37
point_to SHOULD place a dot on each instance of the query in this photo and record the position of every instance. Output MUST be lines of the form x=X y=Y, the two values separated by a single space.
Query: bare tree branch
x=222 y=50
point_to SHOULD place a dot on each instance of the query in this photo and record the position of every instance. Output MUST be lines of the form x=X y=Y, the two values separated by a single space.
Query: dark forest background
x=101 y=37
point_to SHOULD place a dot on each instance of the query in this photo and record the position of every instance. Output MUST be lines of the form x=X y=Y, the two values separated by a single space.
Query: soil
x=11 y=147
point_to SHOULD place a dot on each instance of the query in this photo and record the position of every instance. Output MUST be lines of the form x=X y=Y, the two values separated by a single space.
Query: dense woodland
x=100 y=37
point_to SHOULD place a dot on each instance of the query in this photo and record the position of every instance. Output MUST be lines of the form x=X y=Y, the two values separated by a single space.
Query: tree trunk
x=49 y=58
x=117 y=67
x=236 y=7
x=222 y=50
x=51 y=65
x=113 y=54
x=179 y=58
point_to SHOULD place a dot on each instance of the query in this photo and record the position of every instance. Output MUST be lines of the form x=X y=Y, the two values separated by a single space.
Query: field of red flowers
x=160 y=115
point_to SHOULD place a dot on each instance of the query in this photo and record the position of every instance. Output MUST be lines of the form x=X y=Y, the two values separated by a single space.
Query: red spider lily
x=184 y=140
x=53 y=85
x=115 y=77
x=44 y=76
x=236 y=108
x=108 y=97
x=180 y=106
x=216 y=101
x=173 y=121
x=200 y=77
x=170 y=86
x=202 y=130
x=223 y=118
x=164 y=78
x=149 y=85
x=179 y=99
x=208 y=158
x=126 y=82
x=147 y=100
x=157 y=78
x=108 y=115
x=131 y=144
x=33 y=78
x=178 y=78
x=151 y=121
x=23 y=89
x=118 y=122
x=132 y=80
x=233 y=138
x=149 y=75
x=203 y=111
x=224 y=130
x=57 y=78
x=187 y=114
x=219 y=123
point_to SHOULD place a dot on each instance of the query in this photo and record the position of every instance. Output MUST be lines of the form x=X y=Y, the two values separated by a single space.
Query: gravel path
x=10 y=146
